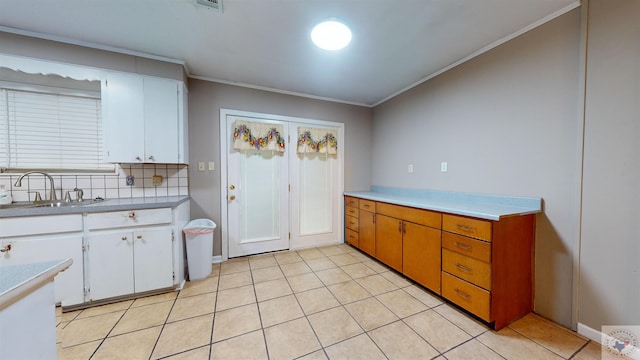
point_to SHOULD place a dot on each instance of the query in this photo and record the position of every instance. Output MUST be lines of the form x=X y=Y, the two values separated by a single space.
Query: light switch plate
x=443 y=166
x=157 y=180
x=211 y=166
x=201 y=166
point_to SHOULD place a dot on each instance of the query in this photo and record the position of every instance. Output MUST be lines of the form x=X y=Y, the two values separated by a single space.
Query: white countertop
x=100 y=206
x=483 y=206
x=18 y=280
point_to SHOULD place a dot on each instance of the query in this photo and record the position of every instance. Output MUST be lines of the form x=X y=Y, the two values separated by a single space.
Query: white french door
x=257 y=199
x=278 y=200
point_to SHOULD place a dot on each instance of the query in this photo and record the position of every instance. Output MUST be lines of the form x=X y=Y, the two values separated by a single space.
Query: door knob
x=232 y=197
x=232 y=187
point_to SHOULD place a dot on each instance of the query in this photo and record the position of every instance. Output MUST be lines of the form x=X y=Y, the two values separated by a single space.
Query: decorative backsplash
x=175 y=181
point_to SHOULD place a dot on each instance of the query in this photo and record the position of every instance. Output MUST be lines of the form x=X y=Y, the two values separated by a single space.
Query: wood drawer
x=418 y=216
x=477 y=249
x=470 y=297
x=476 y=228
x=351 y=211
x=352 y=237
x=367 y=205
x=127 y=218
x=351 y=223
x=351 y=201
x=467 y=268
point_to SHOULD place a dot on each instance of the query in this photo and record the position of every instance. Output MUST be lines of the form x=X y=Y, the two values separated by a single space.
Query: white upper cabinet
x=144 y=119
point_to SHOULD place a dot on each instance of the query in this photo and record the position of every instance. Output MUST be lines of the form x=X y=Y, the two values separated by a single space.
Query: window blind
x=50 y=131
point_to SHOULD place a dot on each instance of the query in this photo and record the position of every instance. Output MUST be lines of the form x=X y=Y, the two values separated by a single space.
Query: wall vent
x=212 y=4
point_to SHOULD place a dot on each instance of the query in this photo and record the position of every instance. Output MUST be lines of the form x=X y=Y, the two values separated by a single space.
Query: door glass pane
x=316 y=193
x=259 y=196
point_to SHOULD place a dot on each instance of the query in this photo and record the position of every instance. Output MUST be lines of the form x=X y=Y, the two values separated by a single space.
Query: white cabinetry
x=144 y=119
x=135 y=258
x=46 y=238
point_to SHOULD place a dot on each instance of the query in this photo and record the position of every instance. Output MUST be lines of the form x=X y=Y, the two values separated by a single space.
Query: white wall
x=507 y=123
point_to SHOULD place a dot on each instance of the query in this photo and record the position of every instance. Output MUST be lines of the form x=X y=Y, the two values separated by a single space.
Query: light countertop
x=18 y=280
x=483 y=206
x=101 y=206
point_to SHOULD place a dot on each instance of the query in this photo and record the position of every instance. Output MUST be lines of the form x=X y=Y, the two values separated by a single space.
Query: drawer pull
x=124 y=238
x=463 y=246
x=6 y=248
x=351 y=223
x=366 y=205
x=132 y=214
x=463 y=268
x=139 y=237
x=466 y=228
x=462 y=293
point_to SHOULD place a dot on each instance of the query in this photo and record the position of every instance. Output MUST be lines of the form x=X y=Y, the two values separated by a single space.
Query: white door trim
x=223 y=161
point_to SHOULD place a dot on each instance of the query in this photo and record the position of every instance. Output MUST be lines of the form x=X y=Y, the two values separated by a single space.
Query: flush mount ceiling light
x=331 y=35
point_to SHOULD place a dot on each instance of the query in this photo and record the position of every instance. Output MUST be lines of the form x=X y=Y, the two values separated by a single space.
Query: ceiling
x=266 y=43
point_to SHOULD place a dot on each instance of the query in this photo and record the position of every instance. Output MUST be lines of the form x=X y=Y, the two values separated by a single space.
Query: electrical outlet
x=156 y=180
x=201 y=166
x=443 y=166
x=130 y=180
x=211 y=166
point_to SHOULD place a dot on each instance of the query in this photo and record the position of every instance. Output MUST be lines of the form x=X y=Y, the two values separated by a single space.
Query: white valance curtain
x=249 y=135
x=312 y=140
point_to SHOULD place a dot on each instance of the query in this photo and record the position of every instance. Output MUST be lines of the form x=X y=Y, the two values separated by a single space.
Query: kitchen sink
x=47 y=204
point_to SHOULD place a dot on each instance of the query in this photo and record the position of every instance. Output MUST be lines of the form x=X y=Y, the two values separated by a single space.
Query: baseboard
x=606 y=341
x=216 y=259
x=590 y=333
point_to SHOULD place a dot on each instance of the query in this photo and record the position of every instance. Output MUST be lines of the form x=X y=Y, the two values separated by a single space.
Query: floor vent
x=213 y=4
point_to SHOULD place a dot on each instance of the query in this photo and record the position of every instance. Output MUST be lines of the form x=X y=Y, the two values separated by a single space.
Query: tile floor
x=323 y=303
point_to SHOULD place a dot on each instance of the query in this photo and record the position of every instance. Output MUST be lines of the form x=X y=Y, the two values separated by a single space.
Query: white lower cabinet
x=136 y=258
x=46 y=238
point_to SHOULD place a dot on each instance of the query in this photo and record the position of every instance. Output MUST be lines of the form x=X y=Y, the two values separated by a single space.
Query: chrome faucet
x=52 y=191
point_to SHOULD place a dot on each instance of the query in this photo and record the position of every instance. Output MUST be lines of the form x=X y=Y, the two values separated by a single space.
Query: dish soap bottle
x=5 y=196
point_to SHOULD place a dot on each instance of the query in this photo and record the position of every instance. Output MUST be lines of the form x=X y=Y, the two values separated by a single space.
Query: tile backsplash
x=175 y=181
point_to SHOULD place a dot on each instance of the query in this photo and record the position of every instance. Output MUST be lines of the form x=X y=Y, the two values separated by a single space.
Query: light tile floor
x=323 y=303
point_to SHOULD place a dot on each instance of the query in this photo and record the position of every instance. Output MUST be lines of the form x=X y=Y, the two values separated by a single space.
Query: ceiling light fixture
x=331 y=35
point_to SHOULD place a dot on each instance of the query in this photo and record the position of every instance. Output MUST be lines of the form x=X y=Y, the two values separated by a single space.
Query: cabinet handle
x=466 y=228
x=139 y=237
x=151 y=158
x=7 y=248
x=374 y=218
x=400 y=226
x=132 y=214
x=462 y=293
x=463 y=268
x=404 y=228
x=138 y=158
x=366 y=205
x=463 y=246
x=124 y=238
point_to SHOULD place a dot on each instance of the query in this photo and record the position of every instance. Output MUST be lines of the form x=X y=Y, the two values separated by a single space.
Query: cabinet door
x=123 y=118
x=153 y=259
x=110 y=264
x=69 y=284
x=421 y=255
x=367 y=233
x=389 y=241
x=161 y=132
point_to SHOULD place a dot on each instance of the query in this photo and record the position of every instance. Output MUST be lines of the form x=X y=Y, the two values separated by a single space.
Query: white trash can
x=199 y=238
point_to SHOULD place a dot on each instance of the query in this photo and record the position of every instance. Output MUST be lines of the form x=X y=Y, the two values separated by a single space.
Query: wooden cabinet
x=136 y=258
x=483 y=266
x=144 y=119
x=32 y=239
x=389 y=241
x=487 y=266
x=409 y=242
x=360 y=224
x=367 y=235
